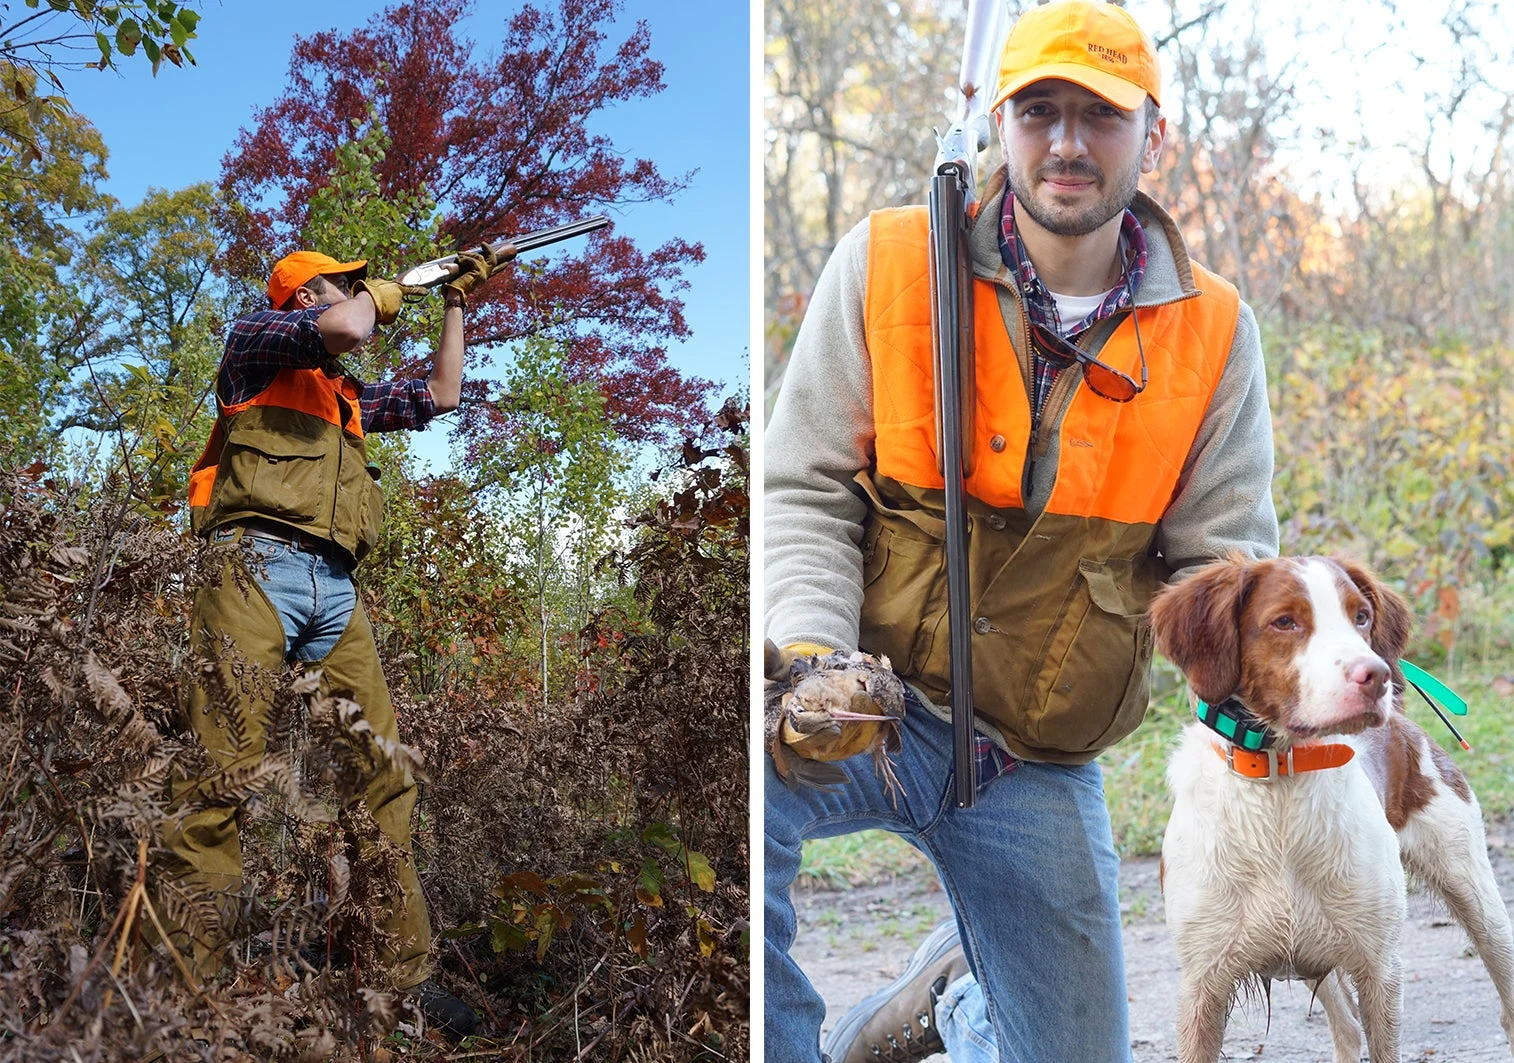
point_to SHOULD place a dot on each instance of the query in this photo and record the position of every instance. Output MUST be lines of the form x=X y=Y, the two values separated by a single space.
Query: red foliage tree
x=503 y=145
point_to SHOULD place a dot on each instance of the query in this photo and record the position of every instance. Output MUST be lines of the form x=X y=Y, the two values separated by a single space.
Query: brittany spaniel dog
x=1299 y=795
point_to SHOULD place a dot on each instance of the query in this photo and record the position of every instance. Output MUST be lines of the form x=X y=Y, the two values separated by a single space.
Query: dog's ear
x=1392 y=622
x=1197 y=626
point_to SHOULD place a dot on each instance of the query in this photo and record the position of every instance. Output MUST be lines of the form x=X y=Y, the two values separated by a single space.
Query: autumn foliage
x=564 y=643
x=506 y=143
x=586 y=866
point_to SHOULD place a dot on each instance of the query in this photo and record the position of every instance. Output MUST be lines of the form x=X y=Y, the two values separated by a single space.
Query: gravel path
x=854 y=941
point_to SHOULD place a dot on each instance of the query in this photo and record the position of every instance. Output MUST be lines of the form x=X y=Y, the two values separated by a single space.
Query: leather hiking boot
x=899 y=1021
x=443 y=1010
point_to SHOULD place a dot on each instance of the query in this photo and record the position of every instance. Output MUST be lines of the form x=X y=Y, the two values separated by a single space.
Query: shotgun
x=439 y=270
x=953 y=190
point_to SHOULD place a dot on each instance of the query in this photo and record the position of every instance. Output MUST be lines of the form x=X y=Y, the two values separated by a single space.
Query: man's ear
x=1156 y=138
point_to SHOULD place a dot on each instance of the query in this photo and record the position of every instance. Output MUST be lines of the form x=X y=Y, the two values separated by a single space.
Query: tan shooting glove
x=822 y=705
x=387 y=296
x=473 y=268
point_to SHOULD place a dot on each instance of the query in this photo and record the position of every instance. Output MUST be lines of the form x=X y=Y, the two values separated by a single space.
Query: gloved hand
x=822 y=706
x=387 y=296
x=777 y=661
x=473 y=268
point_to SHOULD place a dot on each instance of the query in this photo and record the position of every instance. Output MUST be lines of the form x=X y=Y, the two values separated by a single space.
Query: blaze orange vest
x=1061 y=650
x=294 y=453
x=1118 y=460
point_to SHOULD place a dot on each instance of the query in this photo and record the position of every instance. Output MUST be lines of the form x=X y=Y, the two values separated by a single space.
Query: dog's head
x=1309 y=645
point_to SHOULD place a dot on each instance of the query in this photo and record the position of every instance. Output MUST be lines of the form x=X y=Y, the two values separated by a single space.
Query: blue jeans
x=1032 y=876
x=313 y=595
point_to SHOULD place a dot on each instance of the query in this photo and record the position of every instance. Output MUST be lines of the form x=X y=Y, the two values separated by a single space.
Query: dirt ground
x=853 y=942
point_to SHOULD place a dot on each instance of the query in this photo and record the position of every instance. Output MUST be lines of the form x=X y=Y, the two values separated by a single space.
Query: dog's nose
x=1370 y=674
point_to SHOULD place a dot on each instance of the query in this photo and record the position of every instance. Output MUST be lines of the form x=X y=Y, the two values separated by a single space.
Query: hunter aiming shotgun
x=439 y=270
x=953 y=190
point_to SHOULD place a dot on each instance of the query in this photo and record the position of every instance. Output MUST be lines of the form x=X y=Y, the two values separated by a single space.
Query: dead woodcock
x=820 y=709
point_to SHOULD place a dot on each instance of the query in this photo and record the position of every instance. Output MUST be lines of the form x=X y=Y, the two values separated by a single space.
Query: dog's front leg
x=1379 y=997
x=1203 y=1009
x=1345 y=1029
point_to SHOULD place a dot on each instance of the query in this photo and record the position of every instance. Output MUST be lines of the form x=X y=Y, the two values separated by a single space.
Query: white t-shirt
x=1072 y=309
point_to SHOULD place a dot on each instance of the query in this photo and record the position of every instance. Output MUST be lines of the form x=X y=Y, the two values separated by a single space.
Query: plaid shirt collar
x=1039 y=304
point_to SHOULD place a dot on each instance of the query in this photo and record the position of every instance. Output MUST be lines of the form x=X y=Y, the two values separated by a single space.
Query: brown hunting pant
x=207 y=839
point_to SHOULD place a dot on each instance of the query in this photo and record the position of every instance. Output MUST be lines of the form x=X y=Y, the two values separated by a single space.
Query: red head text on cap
x=1093 y=44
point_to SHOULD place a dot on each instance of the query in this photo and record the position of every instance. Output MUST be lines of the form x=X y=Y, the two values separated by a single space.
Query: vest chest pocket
x=1092 y=686
x=904 y=596
x=273 y=473
x=372 y=519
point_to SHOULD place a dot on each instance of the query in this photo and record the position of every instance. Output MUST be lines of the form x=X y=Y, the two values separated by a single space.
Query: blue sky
x=173 y=130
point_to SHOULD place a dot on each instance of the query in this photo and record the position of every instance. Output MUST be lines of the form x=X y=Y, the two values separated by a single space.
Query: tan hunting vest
x=294 y=453
x=1061 y=648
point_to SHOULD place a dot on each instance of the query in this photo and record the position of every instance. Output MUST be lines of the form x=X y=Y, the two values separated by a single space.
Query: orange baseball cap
x=1088 y=42
x=298 y=267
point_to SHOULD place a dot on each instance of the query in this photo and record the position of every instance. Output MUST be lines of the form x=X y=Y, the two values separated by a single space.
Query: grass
x=1136 y=791
x=867 y=858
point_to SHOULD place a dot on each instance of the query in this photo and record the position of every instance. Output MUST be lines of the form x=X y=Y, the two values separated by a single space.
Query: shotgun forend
x=440 y=270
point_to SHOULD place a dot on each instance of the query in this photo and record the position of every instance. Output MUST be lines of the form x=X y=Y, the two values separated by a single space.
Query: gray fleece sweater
x=821 y=434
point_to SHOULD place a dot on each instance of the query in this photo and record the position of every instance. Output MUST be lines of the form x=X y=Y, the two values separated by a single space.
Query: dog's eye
x=1363 y=617
x=1285 y=623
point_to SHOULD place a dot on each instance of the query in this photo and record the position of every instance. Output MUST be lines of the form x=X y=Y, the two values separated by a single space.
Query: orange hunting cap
x=298 y=267
x=1088 y=42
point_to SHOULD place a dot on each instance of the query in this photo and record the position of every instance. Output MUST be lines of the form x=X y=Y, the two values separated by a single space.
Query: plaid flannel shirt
x=261 y=343
x=1042 y=308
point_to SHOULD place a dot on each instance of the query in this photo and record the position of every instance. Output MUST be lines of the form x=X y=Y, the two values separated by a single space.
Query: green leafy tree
x=556 y=470
x=44 y=318
x=39 y=38
x=145 y=381
x=444 y=602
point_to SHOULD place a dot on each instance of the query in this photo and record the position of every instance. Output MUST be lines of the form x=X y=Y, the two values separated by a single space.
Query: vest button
x=981 y=625
x=996 y=522
x=997 y=443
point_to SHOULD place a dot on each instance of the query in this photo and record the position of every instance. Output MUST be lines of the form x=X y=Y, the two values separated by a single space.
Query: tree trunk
x=541 y=587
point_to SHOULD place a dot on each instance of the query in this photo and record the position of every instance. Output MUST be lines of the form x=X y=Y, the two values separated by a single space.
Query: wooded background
x=1372 y=231
x=563 y=613
x=1348 y=167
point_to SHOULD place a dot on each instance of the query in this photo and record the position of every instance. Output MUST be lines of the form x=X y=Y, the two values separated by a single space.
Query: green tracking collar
x=1234 y=723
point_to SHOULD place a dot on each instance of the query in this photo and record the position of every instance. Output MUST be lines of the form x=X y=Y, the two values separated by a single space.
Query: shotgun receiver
x=440 y=270
x=953 y=190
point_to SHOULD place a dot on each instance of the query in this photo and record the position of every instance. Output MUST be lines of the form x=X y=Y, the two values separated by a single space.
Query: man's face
x=1074 y=158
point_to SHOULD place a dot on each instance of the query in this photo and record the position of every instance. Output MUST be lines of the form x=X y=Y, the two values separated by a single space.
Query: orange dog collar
x=1268 y=764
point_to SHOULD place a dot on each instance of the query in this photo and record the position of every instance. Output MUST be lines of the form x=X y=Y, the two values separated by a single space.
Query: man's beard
x=1068 y=222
